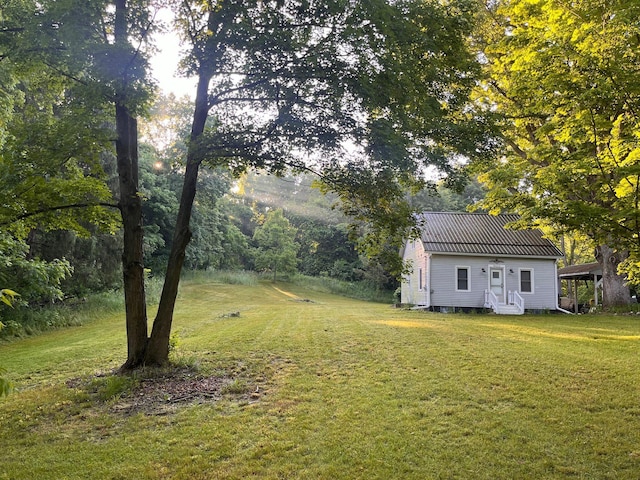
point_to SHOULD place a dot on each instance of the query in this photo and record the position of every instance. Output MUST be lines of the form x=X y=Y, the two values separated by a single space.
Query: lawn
x=305 y=385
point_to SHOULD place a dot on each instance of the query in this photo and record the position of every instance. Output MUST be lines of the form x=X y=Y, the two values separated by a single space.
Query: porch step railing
x=516 y=299
x=514 y=305
x=490 y=300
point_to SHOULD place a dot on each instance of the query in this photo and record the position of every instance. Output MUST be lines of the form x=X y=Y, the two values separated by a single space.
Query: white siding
x=411 y=293
x=443 y=280
x=544 y=282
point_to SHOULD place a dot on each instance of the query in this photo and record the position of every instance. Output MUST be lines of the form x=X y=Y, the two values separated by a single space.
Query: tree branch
x=41 y=211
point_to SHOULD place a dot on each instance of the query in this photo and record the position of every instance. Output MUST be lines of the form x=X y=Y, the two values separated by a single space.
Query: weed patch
x=24 y=321
x=112 y=387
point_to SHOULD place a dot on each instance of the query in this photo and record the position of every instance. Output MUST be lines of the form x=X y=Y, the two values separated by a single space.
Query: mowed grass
x=343 y=389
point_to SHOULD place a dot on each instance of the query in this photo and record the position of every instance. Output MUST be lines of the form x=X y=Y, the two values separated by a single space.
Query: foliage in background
x=26 y=321
x=216 y=242
x=441 y=198
x=276 y=247
x=367 y=290
x=51 y=134
x=229 y=277
x=94 y=260
x=298 y=195
x=325 y=250
x=38 y=281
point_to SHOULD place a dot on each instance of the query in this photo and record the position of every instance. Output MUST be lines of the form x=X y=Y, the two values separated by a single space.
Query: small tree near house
x=276 y=248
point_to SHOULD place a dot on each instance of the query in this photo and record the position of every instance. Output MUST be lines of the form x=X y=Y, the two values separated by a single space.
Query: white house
x=466 y=261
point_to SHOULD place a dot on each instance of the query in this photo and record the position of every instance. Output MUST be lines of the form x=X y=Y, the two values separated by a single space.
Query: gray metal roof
x=482 y=234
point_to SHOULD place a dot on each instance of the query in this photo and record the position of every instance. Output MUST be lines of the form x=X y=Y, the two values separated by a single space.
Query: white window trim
x=468 y=269
x=533 y=289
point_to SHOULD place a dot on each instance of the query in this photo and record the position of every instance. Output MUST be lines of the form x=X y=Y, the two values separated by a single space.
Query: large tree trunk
x=131 y=210
x=615 y=289
x=158 y=348
x=132 y=254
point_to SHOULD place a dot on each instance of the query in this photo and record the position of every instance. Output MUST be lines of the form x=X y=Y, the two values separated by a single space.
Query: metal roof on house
x=482 y=234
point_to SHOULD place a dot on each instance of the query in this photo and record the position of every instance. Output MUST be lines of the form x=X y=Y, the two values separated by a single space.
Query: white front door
x=496 y=283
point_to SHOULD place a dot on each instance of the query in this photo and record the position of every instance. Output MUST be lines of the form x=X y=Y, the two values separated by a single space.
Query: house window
x=463 y=283
x=526 y=281
x=420 y=283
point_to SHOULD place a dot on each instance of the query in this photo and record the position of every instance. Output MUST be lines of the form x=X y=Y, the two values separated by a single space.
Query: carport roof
x=585 y=271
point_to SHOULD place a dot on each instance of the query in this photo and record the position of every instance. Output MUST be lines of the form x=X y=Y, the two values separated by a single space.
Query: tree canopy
x=51 y=139
x=563 y=76
x=276 y=247
x=366 y=95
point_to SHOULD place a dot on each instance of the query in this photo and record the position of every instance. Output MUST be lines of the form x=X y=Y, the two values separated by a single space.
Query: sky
x=165 y=63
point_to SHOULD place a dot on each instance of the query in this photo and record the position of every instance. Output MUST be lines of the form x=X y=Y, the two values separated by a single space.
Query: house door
x=496 y=283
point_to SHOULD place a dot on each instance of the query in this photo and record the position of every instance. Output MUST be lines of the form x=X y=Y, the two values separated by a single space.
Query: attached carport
x=588 y=272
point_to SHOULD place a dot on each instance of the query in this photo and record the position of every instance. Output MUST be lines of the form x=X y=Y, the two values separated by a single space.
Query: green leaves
x=276 y=246
x=36 y=280
x=63 y=70
x=8 y=297
x=562 y=79
x=339 y=88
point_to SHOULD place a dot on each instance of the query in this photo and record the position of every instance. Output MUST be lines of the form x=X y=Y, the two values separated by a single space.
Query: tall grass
x=228 y=277
x=362 y=290
x=32 y=320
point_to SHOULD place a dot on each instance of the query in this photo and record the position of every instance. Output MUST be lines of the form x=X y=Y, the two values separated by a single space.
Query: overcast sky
x=165 y=63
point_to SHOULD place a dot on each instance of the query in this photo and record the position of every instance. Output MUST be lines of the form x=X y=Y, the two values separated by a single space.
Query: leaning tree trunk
x=131 y=211
x=158 y=348
x=615 y=289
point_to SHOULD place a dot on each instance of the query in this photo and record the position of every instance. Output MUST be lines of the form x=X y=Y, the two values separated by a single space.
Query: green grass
x=347 y=389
